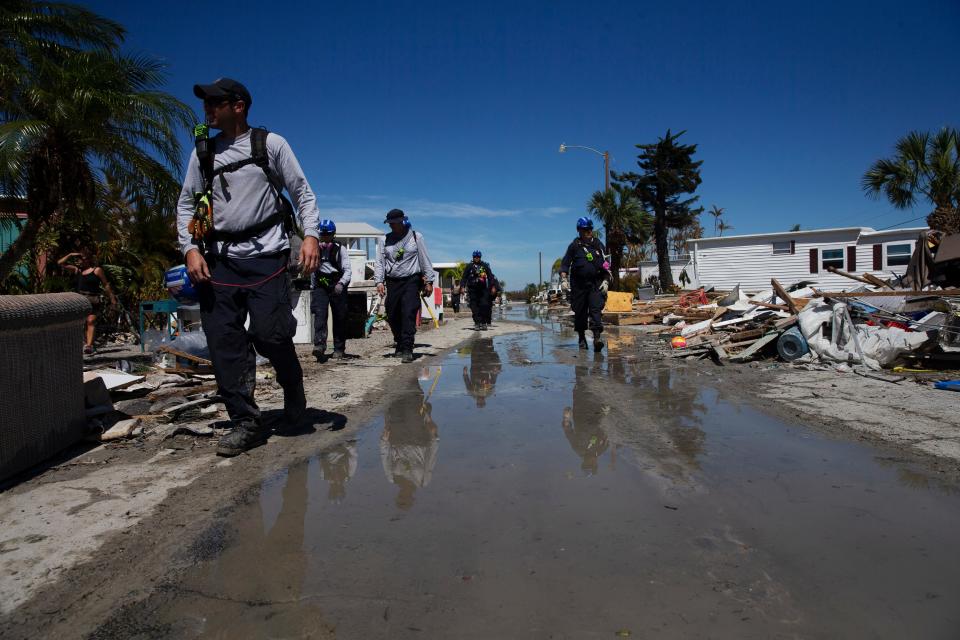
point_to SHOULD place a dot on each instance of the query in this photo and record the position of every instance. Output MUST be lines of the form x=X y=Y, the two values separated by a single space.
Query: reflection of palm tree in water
x=409 y=444
x=481 y=378
x=337 y=466
x=581 y=425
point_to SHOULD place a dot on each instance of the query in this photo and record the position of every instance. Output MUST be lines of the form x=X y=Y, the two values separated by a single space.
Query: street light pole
x=606 y=161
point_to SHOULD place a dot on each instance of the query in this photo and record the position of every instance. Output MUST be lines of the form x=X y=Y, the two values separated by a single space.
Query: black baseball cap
x=395 y=215
x=223 y=88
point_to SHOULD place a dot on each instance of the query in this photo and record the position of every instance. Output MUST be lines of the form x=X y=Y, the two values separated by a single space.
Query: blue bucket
x=792 y=345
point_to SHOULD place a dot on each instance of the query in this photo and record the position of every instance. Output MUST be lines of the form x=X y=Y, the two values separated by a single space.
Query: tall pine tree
x=667 y=173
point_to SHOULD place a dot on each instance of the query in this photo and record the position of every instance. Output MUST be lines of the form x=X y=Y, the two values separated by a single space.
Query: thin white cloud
x=342 y=207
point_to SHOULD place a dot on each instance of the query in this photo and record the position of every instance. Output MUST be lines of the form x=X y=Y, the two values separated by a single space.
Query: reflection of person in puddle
x=481 y=378
x=277 y=583
x=581 y=425
x=337 y=466
x=408 y=446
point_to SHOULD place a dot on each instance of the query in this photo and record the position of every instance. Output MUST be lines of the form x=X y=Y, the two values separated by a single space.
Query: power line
x=904 y=222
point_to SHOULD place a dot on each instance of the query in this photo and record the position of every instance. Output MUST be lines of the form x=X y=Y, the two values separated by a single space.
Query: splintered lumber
x=783 y=295
x=943 y=293
x=874 y=280
x=848 y=275
x=627 y=319
x=751 y=334
x=767 y=305
x=756 y=346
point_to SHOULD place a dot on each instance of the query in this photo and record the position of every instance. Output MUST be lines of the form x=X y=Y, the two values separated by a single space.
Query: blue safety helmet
x=327 y=226
x=584 y=223
x=477 y=254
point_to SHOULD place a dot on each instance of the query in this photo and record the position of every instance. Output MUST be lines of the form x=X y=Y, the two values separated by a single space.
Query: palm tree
x=716 y=212
x=73 y=111
x=723 y=226
x=456 y=273
x=624 y=221
x=924 y=166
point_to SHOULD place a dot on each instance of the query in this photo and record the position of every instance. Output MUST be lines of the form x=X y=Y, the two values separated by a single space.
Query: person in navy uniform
x=330 y=283
x=588 y=268
x=482 y=285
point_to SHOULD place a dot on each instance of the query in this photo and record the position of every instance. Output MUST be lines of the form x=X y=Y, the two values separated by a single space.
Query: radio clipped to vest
x=201 y=226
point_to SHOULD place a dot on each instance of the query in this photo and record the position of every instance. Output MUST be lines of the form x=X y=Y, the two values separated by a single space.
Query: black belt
x=404 y=278
x=249 y=233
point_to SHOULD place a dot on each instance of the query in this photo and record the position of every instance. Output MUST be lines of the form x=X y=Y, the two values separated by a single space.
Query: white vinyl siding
x=751 y=262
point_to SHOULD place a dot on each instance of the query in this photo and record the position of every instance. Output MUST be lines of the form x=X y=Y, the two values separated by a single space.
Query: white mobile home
x=752 y=260
x=649 y=268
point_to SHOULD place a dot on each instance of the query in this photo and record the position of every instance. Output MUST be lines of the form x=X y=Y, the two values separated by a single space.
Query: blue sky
x=454 y=111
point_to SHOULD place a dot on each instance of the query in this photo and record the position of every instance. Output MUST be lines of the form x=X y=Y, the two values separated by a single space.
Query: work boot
x=583 y=341
x=294 y=406
x=319 y=353
x=407 y=357
x=477 y=326
x=338 y=354
x=483 y=326
x=245 y=436
x=597 y=342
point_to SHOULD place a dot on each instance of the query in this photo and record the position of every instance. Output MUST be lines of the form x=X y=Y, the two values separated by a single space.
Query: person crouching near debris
x=402 y=267
x=481 y=282
x=233 y=193
x=330 y=282
x=588 y=268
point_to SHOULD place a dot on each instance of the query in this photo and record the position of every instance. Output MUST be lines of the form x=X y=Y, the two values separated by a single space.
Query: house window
x=898 y=254
x=782 y=248
x=832 y=258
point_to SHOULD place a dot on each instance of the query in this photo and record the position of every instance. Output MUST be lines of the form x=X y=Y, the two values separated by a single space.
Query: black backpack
x=258 y=156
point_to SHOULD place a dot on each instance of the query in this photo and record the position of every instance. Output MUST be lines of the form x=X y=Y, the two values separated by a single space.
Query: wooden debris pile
x=874 y=326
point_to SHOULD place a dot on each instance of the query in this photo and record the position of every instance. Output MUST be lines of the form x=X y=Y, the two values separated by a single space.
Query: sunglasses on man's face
x=217 y=102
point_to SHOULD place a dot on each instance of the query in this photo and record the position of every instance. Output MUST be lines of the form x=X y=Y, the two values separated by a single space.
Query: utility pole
x=540 y=261
x=606 y=171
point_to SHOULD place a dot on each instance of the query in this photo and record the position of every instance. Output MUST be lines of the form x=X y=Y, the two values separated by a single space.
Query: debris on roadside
x=869 y=328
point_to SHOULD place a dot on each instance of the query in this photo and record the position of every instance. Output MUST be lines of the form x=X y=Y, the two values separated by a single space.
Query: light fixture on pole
x=606 y=160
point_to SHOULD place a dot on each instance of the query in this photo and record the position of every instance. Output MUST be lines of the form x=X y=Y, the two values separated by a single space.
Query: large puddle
x=523 y=489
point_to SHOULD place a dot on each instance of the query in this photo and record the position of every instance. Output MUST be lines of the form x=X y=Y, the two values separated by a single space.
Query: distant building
x=752 y=260
x=648 y=268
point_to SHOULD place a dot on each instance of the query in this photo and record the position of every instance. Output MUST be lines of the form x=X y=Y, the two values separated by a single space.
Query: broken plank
x=877 y=282
x=871 y=294
x=756 y=346
x=848 y=275
x=749 y=334
x=783 y=295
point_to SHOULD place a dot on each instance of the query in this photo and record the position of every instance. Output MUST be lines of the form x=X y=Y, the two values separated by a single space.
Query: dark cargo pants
x=239 y=288
x=586 y=300
x=321 y=298
x=480 y=304
x=403 y=303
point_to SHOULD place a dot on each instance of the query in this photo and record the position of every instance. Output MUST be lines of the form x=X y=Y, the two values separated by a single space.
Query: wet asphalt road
x=523 y=489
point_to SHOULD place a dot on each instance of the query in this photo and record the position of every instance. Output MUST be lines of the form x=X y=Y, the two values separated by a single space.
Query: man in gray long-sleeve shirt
x=402 y=267
x=243 y=269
